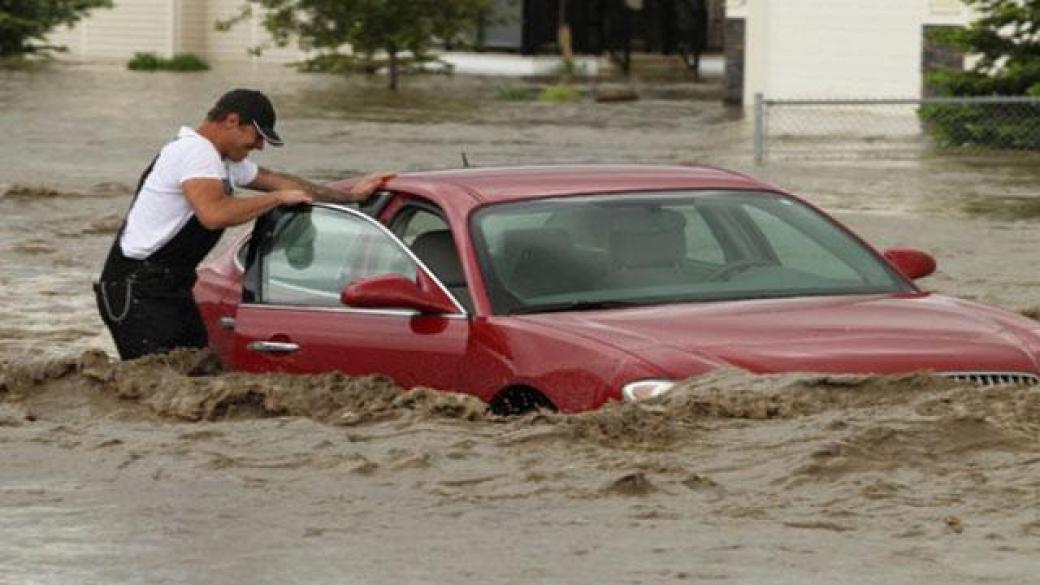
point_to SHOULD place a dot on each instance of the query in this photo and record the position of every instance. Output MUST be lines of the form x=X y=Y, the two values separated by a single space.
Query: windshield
x=587 y=252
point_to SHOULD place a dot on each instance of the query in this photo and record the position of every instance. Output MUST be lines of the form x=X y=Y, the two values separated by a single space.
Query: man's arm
x=268 y=180
x=216 y=210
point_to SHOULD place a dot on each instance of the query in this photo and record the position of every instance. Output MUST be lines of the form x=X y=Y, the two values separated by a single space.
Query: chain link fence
x=894 y=128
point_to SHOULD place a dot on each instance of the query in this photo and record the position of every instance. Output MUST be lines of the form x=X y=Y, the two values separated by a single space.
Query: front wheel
x=520 y=401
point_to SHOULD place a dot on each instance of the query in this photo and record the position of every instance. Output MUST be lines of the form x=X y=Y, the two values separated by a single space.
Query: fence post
x=760 y=129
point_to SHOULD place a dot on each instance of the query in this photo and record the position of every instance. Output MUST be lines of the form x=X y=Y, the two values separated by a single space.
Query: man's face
x=241 y=138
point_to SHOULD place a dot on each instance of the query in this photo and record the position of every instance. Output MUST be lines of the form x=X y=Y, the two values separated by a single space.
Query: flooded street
x=163 y=471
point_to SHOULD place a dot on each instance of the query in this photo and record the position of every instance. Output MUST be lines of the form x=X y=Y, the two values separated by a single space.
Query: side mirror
x=393 y=291
x=911 y=263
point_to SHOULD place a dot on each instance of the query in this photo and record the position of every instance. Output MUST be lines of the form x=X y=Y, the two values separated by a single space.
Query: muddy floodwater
x=169 y=471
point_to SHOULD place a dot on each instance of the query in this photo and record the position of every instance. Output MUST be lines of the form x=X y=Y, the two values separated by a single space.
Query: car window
x=797 y=250
x=416 y=222
x=431 y=240
x=590 y=228
x=701 y=243
x=652 y=248
x=317 y=251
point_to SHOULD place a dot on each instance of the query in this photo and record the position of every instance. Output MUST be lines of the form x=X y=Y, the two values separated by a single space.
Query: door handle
x=227 y=323
x=273 y=347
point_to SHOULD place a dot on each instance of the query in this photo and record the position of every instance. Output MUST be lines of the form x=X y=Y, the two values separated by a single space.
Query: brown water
x=168 y=471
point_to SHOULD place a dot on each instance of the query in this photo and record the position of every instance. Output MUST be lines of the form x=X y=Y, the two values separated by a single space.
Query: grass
x=1003 y=208
x=179 y=62
x=559 y=93
x=25 y=62
x=516 y=93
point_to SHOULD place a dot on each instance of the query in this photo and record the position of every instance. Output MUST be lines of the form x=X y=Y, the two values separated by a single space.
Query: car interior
x=594 y=250
x=436 y=249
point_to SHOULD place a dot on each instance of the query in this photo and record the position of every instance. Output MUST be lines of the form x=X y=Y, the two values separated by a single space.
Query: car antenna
x=465 y=161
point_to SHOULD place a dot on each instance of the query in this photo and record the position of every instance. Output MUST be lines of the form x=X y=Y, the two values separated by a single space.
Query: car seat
x=436 y=249
x=646 y=247
x=540 y=261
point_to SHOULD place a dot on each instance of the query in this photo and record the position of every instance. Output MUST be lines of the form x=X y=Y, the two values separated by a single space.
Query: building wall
x=235 y=44
x=856 y=49
x=130 y=26
x=837 y=48
x=948 y=12
x=192 y=24
x=736 y=8
x=72 y=39
x=167 y=27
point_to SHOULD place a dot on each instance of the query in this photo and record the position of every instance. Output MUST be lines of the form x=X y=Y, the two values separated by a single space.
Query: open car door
x=293 y=318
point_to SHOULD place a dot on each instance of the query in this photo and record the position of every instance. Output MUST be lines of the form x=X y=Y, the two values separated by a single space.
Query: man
x=182 y=205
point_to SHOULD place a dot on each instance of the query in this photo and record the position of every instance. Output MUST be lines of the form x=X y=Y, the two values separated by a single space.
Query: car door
x=291 y=318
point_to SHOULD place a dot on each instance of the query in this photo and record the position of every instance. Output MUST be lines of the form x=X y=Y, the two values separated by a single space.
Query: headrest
x=540 y=241
x=437 y=250
x=647 y=237
x=532 y=259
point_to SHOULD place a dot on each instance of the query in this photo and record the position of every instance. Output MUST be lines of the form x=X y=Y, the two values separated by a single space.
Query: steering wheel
x=724 y=272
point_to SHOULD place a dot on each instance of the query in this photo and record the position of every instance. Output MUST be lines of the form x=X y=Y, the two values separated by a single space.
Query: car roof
x=504 y=184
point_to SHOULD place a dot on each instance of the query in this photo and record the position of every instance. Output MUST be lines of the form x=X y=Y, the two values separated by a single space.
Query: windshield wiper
x=575 y=306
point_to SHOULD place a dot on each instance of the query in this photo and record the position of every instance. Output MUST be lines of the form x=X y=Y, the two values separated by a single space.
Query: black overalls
x=148 y=304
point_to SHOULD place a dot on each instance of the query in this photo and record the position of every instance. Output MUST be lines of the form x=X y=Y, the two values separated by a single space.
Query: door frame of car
x=264 y=229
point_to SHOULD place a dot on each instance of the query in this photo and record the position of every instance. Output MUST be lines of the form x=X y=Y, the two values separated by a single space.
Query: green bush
x=179 y=62
x=187 y=62
x=516 y=93
x=560 y=92
x=25 y=62
x=999 y=126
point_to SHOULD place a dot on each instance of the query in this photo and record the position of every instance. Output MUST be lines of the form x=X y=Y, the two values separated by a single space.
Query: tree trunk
x=563 y=35
x=393 y=70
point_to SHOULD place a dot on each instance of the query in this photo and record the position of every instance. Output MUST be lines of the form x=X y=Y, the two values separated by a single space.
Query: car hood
x=859 y=334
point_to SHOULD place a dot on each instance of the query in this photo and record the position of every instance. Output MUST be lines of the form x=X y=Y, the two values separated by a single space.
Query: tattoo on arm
x=315 y=190
x=280 y=180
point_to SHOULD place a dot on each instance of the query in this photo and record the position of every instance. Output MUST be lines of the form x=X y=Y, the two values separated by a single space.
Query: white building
x=788 y=49
x=167 y=27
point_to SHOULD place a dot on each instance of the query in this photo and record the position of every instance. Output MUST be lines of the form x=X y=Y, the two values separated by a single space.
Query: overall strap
x=116 y=264
x=137 y=193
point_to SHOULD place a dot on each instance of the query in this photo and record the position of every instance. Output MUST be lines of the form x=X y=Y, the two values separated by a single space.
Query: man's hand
x=292 y=197
x=369 y=184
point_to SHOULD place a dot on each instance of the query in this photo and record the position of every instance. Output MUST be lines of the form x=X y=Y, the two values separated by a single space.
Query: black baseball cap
x=251 y=106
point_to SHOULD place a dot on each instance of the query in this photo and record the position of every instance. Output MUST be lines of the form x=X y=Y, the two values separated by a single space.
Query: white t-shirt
x=161 y=209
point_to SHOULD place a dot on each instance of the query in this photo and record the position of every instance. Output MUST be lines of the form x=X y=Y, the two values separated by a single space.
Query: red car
x=569 y=286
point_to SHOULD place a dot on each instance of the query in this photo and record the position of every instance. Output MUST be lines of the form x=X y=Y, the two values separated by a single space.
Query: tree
x=25 y=22
x=368 y=26
x=1006 y=40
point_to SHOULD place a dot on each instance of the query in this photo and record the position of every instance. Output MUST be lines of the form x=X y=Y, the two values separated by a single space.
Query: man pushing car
x=183 y=202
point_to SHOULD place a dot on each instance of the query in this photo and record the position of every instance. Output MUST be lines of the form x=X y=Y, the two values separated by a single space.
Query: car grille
x=995 y=378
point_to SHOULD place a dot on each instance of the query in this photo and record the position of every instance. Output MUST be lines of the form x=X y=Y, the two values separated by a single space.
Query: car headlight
x=644 y=389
